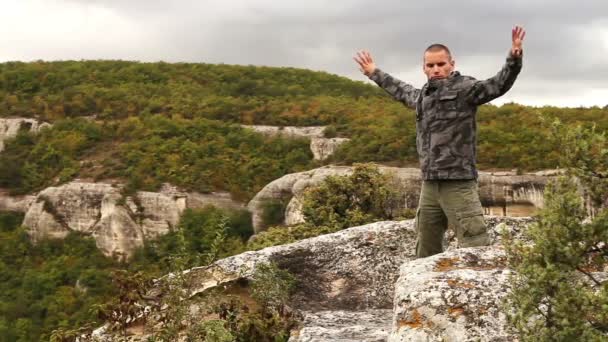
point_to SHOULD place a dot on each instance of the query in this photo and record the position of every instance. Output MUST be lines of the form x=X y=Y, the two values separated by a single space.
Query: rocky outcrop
x=289 y=131
x=10 y=127
x=454 y=296
x=118 y=224
x=371 y=325
x=348 y=287
x=323 y=148
x=348 y=270
x=119 y=232
x=15 y=203
x=342 y=277
x=285 y=188
x=501 y=191
x=320 y=146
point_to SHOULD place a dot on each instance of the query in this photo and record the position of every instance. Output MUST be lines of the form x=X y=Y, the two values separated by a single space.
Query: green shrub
x=273 y=212
x=281 y=235
x=340 y=202
x=557 y=293
x=347 y=201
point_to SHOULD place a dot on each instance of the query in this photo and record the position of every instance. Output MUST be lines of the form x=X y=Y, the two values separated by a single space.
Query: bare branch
x=589 y=275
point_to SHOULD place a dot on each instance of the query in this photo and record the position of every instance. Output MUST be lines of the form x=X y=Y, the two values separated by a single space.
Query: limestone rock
x=10 y=127
x=45 y=224
x=117 y=233
x=73 y=206
x=351 y=269
x=288 y=131
x=159 y=212
x=119 y=225
x=345 y=326
x=499 y=194
x=89 y=208
x=15 y=203
x=322 y=148
x=347 y=288
x=293 y=212
x=454 y=296
x=345 y=278
x=284 y=188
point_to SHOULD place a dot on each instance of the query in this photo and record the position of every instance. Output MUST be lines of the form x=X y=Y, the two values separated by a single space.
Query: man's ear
x=453 y=62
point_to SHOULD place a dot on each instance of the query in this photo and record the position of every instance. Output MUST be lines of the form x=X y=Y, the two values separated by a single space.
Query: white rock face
x=323 y=148
x=159 y=213
x=10 y=127
x=348 y=270
x=320 y=146
x=119 y=225
x=289 y=131
x=15 y=203
x=454 y=296
x=347 y=288
x=44 y=224
x=501 y=191
x=74 y=206
x=345 y=326
x=345 y=280
x=98 y=214
x=421 y=278
x=117 y=233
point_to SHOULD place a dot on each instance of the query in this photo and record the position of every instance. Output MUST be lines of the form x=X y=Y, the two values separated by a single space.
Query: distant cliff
x=320 y=146
x=499 y=192
x=10 y=127
x=118 y=224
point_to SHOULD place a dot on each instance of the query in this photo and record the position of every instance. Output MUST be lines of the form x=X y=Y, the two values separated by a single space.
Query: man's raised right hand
x=365 y=61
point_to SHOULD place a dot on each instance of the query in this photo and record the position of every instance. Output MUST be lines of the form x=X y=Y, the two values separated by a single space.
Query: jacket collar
x=433 y=85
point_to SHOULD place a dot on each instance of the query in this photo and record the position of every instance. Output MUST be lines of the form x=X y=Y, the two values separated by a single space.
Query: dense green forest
x=57 y=283
x=198 y=154
x=47 y=286
x=149 y=123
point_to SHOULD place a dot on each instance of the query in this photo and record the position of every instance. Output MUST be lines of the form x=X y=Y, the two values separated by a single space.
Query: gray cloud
x=565 y=47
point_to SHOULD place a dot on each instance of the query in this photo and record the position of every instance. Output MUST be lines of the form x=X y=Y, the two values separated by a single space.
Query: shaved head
x=437 y=48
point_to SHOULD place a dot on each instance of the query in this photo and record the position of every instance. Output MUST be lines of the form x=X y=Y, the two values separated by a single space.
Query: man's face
x=437 y=64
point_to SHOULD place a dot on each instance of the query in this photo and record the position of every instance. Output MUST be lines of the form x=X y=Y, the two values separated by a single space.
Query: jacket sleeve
x=399 y=90
x=486 y=91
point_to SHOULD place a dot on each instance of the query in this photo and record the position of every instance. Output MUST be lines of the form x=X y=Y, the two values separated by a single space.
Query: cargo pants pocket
x=472 y=229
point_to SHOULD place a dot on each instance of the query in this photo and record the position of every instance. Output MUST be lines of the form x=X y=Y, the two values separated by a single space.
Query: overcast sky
x=565 y=50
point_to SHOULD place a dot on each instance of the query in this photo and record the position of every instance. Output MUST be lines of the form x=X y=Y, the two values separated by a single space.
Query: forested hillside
x=149 y=123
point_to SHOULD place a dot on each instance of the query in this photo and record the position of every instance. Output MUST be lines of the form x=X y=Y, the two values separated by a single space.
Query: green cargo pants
x=454 y=201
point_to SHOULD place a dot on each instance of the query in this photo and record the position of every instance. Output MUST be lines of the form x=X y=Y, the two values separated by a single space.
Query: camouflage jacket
x=445 y=117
